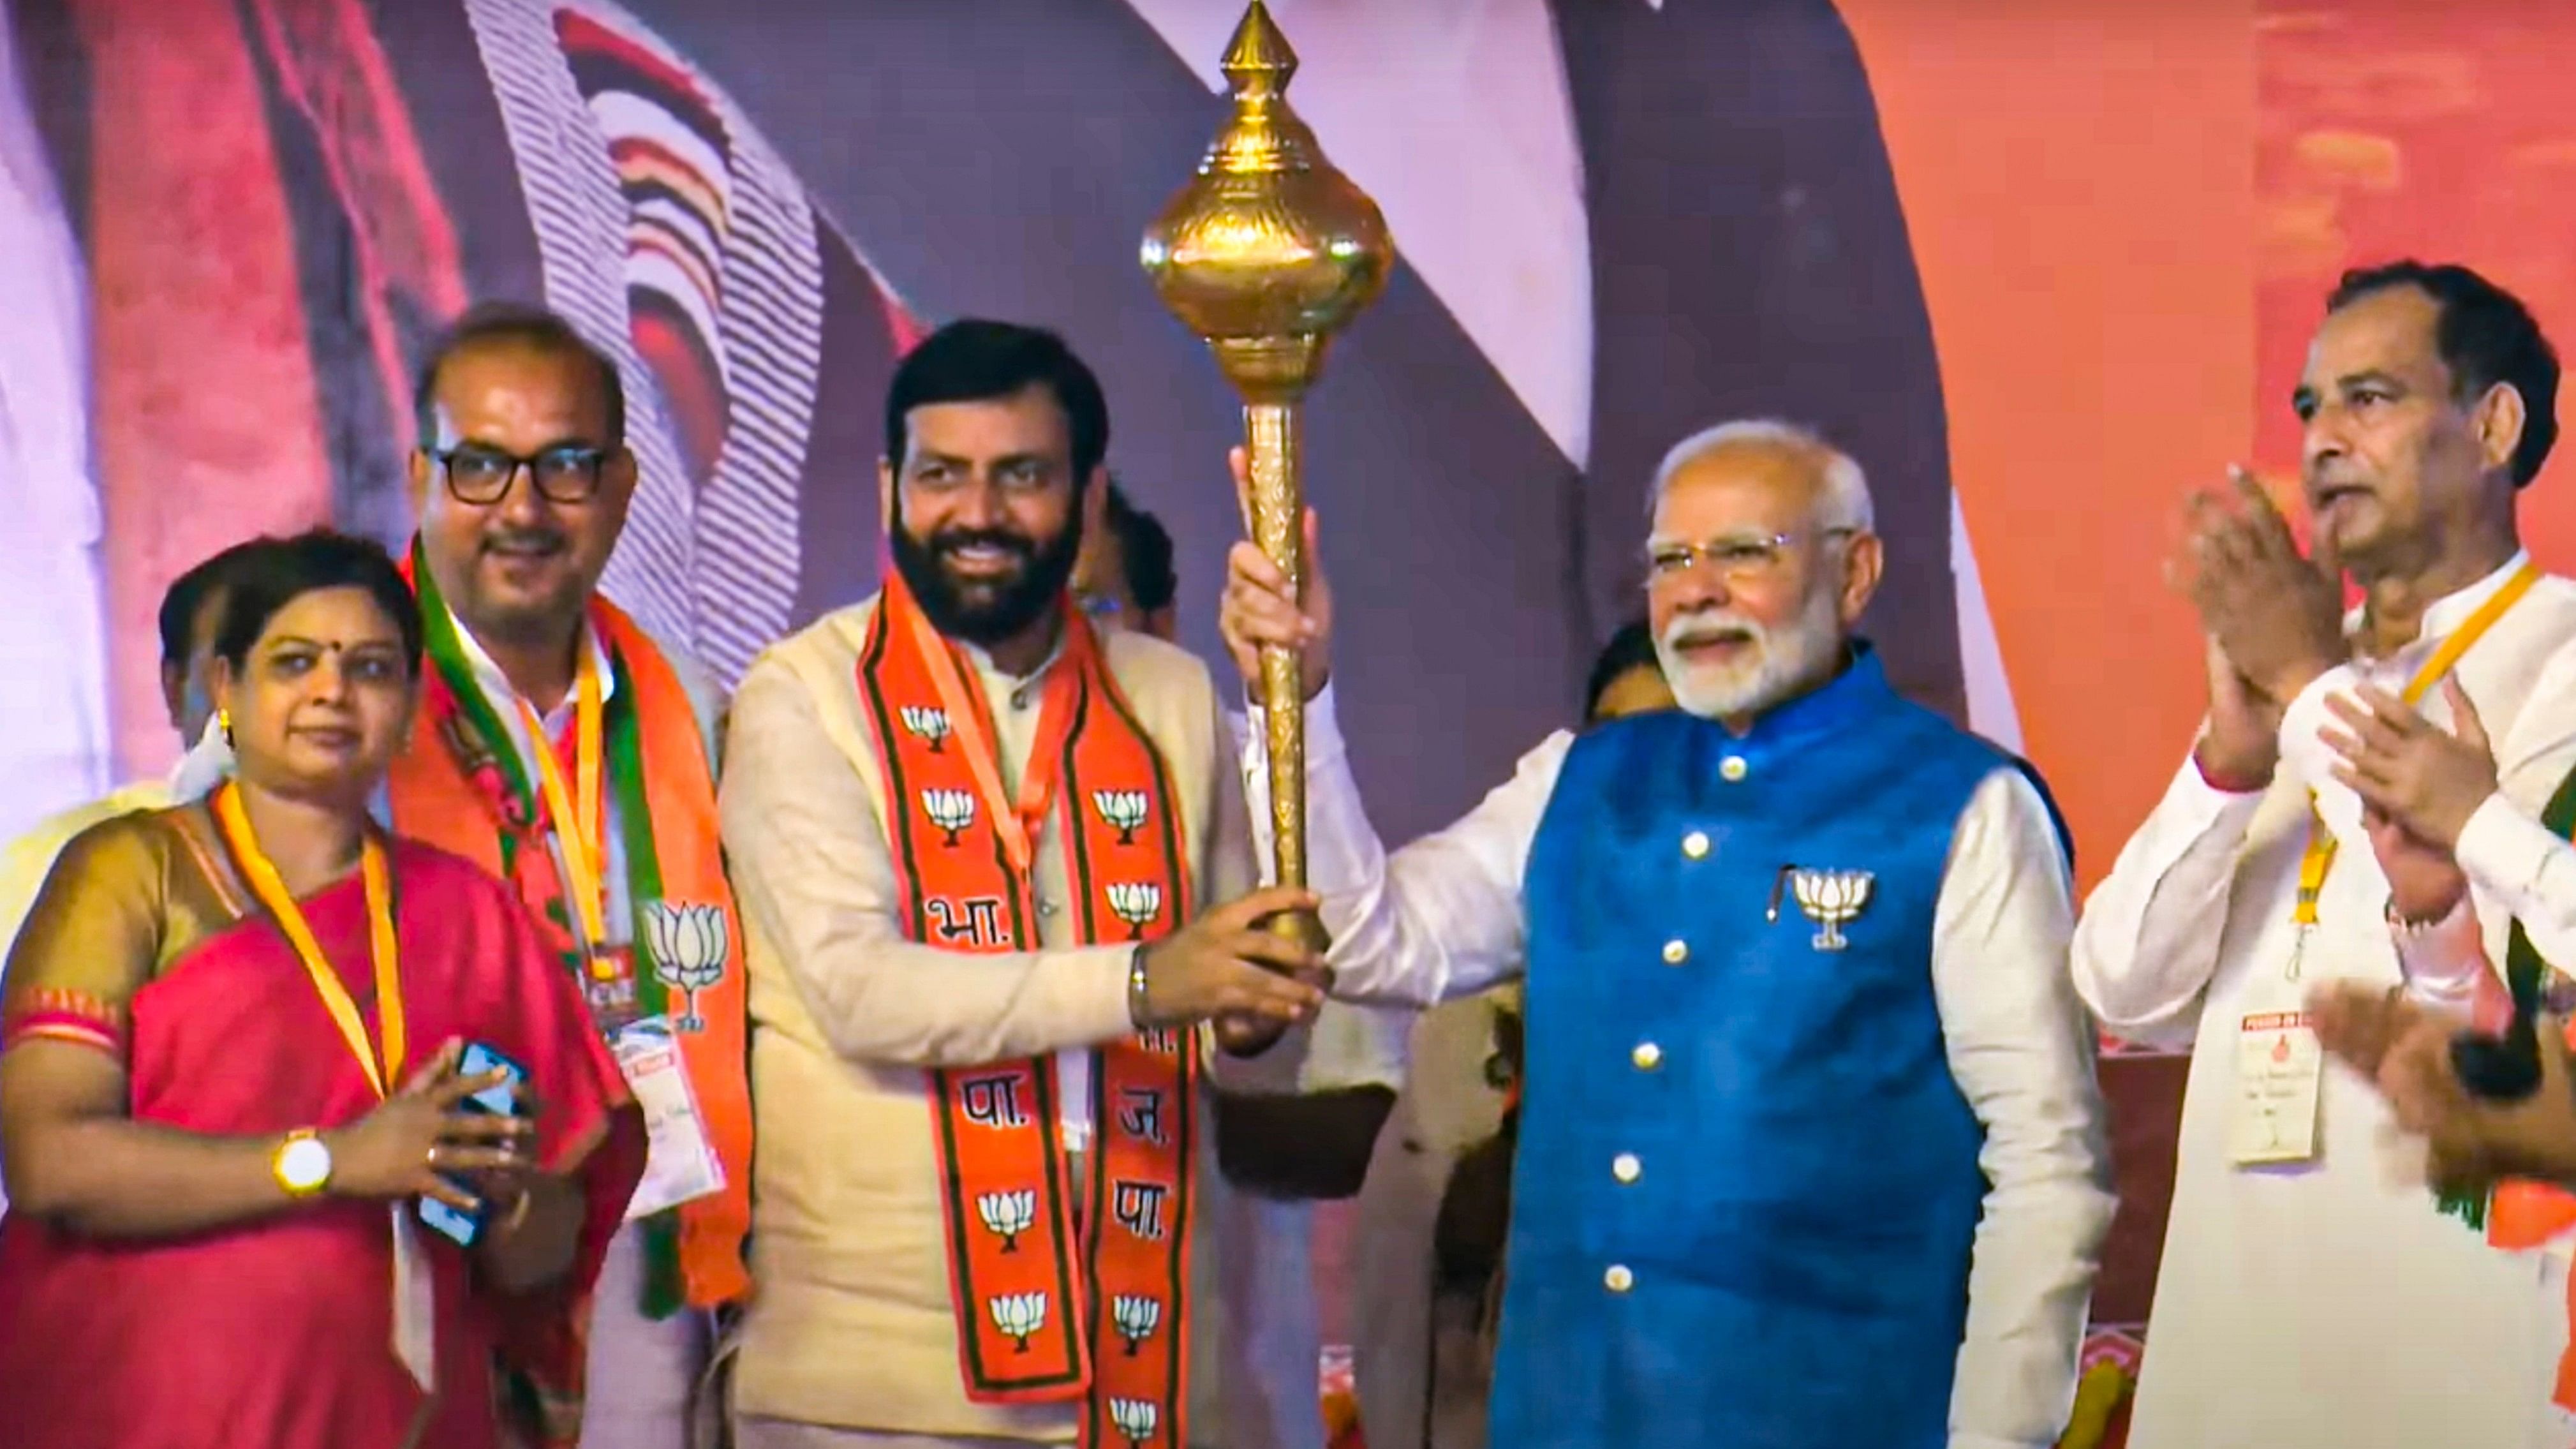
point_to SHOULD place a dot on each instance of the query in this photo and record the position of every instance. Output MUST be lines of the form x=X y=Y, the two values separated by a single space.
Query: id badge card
x=2280 y=1073
x=679 y=1163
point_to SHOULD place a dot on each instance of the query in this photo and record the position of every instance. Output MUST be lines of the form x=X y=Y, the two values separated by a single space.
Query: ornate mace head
x=1268 y=250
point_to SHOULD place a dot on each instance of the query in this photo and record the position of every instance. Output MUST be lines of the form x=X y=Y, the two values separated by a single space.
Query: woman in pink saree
x=229 y=1074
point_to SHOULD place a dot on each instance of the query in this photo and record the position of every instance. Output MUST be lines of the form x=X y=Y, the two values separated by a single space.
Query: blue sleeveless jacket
x=1747 y=1186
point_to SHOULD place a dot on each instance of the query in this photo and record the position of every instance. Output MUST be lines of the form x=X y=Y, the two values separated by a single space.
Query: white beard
x=1783 y=662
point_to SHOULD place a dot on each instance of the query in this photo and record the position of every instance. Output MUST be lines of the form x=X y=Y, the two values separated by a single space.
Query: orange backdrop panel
x=2391 y=128
x=2079 y=189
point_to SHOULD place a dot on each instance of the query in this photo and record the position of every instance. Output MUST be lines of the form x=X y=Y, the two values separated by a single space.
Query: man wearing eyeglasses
x=571 y=754
x=1810 y=1150
x=2283 y=857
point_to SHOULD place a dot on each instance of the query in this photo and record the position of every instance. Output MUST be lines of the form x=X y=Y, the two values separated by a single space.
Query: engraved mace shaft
x=1266 y=253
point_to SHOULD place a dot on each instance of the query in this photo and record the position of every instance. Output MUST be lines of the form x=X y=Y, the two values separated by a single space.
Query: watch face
x=304 y=1164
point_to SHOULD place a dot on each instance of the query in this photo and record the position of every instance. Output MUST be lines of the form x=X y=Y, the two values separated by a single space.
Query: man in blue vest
x=1811 y=1154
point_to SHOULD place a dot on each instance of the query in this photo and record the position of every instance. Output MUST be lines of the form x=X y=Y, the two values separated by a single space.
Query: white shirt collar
x=496 y=684
x=2450 y=611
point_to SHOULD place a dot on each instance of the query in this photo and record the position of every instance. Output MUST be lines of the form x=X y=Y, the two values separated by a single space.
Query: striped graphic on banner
x=672 y=235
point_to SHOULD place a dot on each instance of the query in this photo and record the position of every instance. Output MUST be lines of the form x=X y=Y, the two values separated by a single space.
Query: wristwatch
x=301 y=1164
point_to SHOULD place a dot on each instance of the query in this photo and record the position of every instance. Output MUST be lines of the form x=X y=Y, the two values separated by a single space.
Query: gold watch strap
x=295 y=1186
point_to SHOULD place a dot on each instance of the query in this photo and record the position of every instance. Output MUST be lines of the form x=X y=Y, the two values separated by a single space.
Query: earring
x=224 y=726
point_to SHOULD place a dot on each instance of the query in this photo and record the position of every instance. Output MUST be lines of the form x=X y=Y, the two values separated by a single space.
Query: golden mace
x=1265 y=254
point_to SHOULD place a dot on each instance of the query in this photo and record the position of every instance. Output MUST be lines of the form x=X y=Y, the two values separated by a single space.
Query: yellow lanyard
x=578 y=825
x=2320 y=855
x=266 y=884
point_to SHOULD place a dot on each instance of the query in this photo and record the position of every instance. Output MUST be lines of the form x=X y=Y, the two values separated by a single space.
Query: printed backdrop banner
x=2041 y=266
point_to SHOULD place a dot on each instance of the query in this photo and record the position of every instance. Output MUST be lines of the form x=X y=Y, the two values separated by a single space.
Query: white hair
x=1844 y=502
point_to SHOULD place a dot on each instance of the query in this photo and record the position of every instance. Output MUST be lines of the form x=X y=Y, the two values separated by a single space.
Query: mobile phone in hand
x=499 y=1100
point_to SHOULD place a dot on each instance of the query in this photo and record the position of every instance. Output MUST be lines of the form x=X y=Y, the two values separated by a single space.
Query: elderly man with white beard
x=1811 y=1151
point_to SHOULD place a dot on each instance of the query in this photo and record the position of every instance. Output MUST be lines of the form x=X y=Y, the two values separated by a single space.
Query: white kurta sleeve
x=2530 y=872
x=2441 y=961
x=1440 y=918
x=2022 y=1053
x=2147 y=943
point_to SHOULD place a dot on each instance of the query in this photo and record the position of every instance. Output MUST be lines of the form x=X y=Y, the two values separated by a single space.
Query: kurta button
x=1647 y=1056
x=1732 y=768
x=1046 y=907
x=1695 y=844
x=1676 y=951
x=1626 y=1167
x=1618 y=1279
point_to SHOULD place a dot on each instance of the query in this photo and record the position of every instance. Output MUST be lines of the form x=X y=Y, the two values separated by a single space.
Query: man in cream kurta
x=2328 y=1301
x=851 y=1323
x=994 y=447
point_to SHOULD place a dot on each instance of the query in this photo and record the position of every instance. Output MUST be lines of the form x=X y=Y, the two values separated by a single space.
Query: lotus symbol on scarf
x=1137 y=903
x=1136 y=1316
x=1831 y=898
x=689 y=946
x=928 y=723
x=1008 y=1214
x=950 y=810
x=1019 y=1316
x=1122 y=811
x=1135 y=1418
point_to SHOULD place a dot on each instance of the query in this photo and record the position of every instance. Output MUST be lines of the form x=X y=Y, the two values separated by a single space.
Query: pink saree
x=277 y=1333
